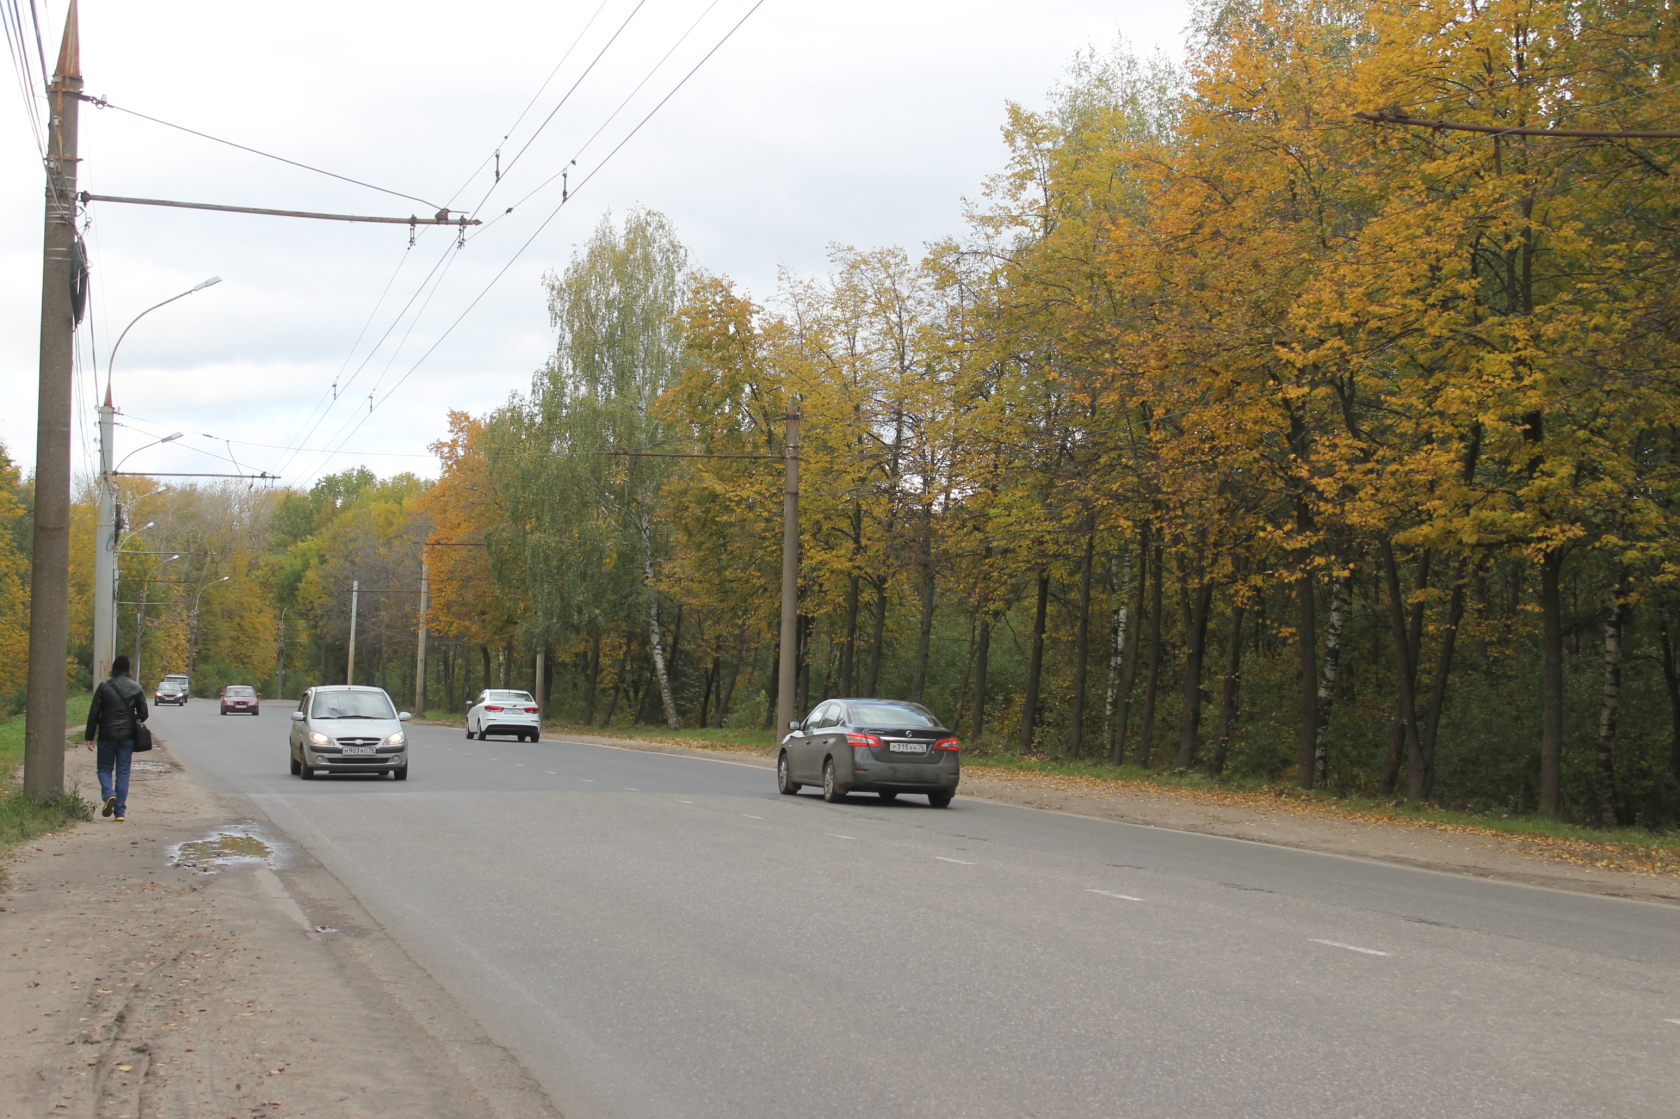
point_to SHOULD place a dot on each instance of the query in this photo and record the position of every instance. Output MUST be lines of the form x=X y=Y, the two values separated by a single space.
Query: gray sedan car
x=880 y=746
x=348 y=729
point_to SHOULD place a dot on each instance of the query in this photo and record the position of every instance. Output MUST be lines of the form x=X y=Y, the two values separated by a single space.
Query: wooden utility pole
x=788 y=670
x=49 y=569
x=420 y=653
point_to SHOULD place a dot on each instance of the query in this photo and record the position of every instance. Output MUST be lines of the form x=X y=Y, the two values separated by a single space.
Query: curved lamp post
x=192 y=653
x=111 y=361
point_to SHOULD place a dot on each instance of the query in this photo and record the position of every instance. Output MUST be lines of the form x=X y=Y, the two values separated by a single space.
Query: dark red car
x=240 y=699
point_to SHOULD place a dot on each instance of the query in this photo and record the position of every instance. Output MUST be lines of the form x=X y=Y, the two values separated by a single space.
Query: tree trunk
x=618 y=683
x=848 y=651
x=507 y=664
x=592 y=675
x=728 y=693
x=1443 y=675
x=1196 y=609
x=1307 y=645
x=1405 y=657
x=1604 y=769
x=1128 y=679
x=713 y=672
x=802 y=663
x=658 y=650
x=1327 y=675
x=1082 y=645
x=772 y=690
x=484 y=656
x=1035 y=666
x=877 y=637
x=924 y=636
x=1228 y=700
x=982 y=650
x=1551 y=677
x=1152 y=683
x=1397 y=738
x=1118 y=584
x=1671 y=678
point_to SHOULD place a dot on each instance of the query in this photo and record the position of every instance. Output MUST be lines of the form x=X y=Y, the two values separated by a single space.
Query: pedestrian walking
x=116 y=719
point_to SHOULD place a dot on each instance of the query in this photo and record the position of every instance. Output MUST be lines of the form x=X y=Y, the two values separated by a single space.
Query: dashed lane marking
x=1349 y=947
x=1111 y=894
x=751 y=817
x=628 y=789
x=943 y=859
x=551 y=773
x=680 y=800
x=834 y=835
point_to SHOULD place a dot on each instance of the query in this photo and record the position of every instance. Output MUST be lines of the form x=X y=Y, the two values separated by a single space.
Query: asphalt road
x=655 y=935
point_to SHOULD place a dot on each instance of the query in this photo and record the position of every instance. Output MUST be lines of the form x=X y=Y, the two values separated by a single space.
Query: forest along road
x=657 y=935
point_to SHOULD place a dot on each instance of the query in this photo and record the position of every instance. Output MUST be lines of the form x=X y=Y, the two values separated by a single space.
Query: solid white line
x=943 y=859
x=1107 y=894
x=752 y=817
x=835 y=836
x=1349 y=947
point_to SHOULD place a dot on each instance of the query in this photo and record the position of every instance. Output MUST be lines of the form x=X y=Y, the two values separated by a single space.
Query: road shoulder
x=1423 y=845
x=134 y=986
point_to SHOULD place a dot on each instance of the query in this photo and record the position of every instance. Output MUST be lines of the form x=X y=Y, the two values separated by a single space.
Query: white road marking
x=943 y=859
x=680 y=800
x=1349 y=947
x=751 y=817
x=1673 y=1021
x=551 y=773
x=587 y=780
x=628 y=789
x=834 y=835
x=1108 y=894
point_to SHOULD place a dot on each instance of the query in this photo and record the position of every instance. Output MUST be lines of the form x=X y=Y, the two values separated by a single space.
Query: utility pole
x=350 y=665
x=49 y=568
x=280 y=658
x=105 y=553
x=788 y=671
x=420 y=654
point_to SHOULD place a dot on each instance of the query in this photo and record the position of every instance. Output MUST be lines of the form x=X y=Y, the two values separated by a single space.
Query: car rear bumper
x=510 y=728
x=904 y=777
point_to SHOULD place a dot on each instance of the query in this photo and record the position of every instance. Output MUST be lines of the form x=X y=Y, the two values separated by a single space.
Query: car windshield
x=169 y=686
x=508 y=697
x=891 y=715
x=241 y=690
x=351 y=705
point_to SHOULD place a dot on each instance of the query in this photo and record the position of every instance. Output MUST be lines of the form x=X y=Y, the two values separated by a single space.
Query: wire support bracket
x=442 y=217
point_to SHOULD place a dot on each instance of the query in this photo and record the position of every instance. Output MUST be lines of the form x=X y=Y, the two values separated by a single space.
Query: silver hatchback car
x=348 y=729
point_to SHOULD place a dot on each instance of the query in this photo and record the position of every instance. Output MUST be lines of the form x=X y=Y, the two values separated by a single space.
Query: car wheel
x=940 y=799
x=832 y=792
x=306 y=772
x=400 y=773
x=469 y=732
x=887 y=796
x=784 y=776
x=295 y=767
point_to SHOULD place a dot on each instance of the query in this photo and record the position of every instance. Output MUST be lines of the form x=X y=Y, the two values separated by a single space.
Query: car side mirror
x=297 y=716
x=794 y=724
x=403 y=716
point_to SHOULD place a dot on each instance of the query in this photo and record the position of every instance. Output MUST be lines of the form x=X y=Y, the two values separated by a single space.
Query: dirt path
x=1532 y=860
x=133 y=987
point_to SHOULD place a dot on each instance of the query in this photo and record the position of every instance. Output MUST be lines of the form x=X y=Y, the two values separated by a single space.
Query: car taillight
x=530 y=711
x=867 y=740
x=947 y=744
x=492 y=708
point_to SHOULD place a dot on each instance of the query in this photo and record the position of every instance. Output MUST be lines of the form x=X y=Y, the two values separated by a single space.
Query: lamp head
x=211 y=282
x=172 y=438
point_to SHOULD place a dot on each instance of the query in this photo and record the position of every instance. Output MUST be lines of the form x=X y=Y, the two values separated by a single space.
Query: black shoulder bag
x=142 y=733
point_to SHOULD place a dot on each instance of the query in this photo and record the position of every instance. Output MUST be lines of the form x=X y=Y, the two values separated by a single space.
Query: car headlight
x=395 y=739
x=319 y=739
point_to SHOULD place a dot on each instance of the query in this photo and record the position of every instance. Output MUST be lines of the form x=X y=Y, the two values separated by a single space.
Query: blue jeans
x=114 y=759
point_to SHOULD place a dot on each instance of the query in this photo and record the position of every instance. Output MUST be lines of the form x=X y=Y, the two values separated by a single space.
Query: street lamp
x=139 y=612
x=153 y=443
x=104 y=555
x=192 y=654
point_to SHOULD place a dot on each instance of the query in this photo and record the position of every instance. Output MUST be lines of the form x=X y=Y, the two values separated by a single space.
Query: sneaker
x=120 y=819
x=110 y=806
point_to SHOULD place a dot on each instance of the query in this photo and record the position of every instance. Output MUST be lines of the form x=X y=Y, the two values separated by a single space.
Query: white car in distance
x=500 y=711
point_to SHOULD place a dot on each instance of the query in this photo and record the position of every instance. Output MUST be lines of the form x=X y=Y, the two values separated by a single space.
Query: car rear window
x=351 y=705
x=509 y=697
x=891 y=715
x=241 y=690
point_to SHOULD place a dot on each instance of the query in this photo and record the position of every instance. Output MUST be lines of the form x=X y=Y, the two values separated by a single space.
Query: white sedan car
x=497 y=711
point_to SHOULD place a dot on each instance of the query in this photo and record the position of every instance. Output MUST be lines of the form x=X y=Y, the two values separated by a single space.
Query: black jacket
x=117 y=703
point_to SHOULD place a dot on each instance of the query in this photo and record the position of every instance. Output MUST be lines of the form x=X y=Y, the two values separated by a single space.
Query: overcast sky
x=864 y=123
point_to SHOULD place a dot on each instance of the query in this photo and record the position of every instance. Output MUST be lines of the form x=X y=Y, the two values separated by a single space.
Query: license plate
x=358 y=749
x=907 y=748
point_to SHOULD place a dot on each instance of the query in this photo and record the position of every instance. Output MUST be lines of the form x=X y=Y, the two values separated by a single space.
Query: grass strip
x=22 y=819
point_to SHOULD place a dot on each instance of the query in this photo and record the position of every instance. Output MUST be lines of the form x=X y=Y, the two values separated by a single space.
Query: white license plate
x=359 y=749
x=907 y=748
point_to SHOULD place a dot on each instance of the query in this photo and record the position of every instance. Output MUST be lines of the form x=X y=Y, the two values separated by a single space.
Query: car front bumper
x=350 y=762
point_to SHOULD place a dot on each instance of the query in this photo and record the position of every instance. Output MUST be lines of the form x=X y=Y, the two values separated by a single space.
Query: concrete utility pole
x=788 y=672
x=49 y=569
x=350 y=664
x=420 y=654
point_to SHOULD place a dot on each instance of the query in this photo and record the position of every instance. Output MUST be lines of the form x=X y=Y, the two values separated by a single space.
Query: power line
x=102 y=103
x=1389 y=116
x=555 y=212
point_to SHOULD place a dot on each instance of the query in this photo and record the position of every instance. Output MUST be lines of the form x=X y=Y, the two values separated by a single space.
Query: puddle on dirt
x=151 y=767
x=224 y=848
